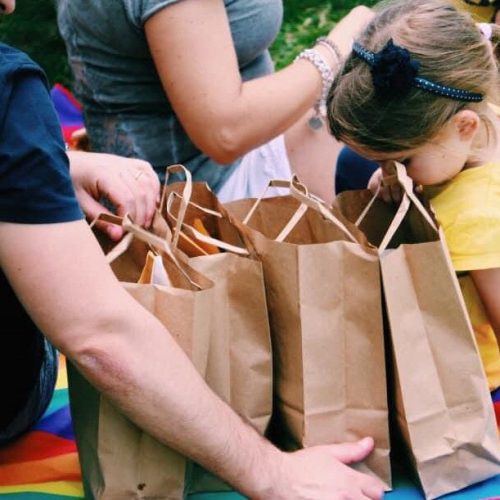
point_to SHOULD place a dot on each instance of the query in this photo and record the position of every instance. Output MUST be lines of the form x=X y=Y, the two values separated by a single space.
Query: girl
x=417 y=88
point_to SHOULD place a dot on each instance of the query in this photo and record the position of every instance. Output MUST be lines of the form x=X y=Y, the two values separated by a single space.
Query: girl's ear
x=466 y=123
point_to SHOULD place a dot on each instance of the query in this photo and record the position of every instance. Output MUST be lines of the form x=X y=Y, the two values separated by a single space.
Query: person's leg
x=313 y=155
x=352 y=171
x=38 y=398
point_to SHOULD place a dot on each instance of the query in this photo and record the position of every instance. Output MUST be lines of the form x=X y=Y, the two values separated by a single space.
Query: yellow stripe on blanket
x=62 y=374
x=67 y=488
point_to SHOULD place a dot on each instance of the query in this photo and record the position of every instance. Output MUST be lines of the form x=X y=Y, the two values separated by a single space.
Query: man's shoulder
x=13 y=60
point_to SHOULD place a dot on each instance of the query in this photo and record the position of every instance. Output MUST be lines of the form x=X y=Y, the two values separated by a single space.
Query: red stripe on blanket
x=36 y=445
x=496 y=405
x=61 y=468
x=69 y=95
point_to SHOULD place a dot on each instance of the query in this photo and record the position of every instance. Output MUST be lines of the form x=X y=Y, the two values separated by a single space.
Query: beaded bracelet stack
x=327 y=75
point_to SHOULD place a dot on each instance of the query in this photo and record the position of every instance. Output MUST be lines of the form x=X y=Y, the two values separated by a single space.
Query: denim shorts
x=38 y=400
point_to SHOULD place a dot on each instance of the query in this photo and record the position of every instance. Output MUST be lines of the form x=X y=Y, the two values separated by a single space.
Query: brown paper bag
x=118 y=459
x=240 y=358
x=323 y=289
x=443 y=406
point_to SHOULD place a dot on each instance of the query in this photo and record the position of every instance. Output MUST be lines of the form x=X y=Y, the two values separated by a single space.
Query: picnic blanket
x=69 y=110
x=44 y=462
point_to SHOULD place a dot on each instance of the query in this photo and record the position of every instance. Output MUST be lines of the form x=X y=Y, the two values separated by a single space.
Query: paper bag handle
x=401 y=177
x=194 y=233
x=134 y=230
x=272 y=183
x=299 y=192
x=186 y=197
x=295 y=217
x=314 y=203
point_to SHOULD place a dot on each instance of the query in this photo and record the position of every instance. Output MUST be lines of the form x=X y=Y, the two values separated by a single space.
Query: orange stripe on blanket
x=62 y=468
x=36 y=445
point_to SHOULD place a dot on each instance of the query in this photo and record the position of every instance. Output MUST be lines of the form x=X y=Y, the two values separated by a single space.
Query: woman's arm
x=191 y=44
x=487 y=283
x=61 y=276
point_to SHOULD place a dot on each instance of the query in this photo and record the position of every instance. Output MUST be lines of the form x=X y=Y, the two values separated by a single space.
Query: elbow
x=100 y=355
x=224 y=145
x=102 y=364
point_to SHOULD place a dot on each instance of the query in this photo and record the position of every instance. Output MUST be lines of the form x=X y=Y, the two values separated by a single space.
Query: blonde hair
x=451 y=51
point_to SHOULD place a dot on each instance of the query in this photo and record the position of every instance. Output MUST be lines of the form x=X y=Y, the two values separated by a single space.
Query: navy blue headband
x=394 y=72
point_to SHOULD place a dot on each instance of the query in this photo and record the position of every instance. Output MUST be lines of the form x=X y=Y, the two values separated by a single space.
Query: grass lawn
x=33 y=29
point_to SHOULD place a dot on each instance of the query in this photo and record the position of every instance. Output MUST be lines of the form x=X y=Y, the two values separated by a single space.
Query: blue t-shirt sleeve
x=35 y=185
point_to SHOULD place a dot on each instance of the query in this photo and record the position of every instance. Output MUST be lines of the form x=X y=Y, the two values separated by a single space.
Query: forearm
x=165 y=396
x=261 y=110
x=71 y=293
x=222 y=115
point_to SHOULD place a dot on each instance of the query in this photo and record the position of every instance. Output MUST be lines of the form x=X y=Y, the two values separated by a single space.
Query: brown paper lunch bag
x=118 y=459
x=323 y=289
x=442 y=407
x=240 y=357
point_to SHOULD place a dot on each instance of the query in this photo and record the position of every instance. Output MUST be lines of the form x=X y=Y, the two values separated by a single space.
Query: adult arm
x=487 y=283
x=131 y=185
x=191 y=44
x=64 y=282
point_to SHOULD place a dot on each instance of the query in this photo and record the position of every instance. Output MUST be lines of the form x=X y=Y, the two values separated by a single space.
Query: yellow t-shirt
x=468 y=209
x=480 y=12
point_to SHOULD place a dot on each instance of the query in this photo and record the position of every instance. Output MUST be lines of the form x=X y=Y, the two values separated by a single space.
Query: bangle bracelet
x=332 y=47
x=326 y=73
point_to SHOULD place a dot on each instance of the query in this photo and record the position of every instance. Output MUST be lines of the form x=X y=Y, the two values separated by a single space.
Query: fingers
x=374 y=491
x=375 y=181
x=348 y=453
x=92 y=209
x=353 y=452
x=134 y=189
x=129 y=185
x=392 y=193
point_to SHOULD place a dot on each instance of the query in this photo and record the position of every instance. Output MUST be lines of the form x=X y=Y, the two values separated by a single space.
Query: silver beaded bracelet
x=327 y=75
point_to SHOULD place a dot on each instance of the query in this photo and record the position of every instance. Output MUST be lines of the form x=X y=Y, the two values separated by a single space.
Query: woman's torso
x=126 y=110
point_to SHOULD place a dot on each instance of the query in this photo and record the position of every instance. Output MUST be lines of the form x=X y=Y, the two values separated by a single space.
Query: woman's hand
x=349 y=27
x=130 y=185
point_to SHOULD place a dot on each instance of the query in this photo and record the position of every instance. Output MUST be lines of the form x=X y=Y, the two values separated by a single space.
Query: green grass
x=304 y=21
x=33 y=29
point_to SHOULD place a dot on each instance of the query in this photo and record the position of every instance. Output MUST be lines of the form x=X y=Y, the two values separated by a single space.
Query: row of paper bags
x=317 y=325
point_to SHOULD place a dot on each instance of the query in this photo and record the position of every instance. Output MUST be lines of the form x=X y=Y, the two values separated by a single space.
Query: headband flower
x=393 y=70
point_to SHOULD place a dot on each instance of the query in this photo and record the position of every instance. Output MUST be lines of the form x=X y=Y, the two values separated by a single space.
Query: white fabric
x=486 y=30
x=257 y=168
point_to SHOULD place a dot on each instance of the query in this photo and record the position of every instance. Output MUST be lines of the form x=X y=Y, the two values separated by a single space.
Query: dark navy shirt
x=35 y=188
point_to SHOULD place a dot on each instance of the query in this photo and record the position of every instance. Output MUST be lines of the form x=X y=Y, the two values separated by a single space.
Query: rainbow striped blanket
x=43 y=464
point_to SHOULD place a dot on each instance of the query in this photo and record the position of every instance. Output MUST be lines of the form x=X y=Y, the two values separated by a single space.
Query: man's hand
x=321 y=472
x=130 y=185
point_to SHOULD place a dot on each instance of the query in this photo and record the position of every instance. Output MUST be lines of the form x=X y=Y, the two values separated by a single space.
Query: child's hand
x=385 y=185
